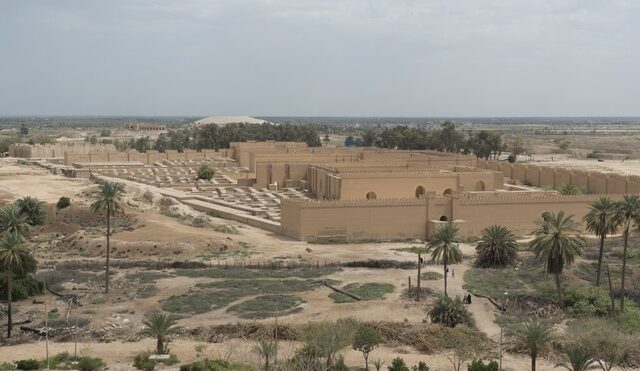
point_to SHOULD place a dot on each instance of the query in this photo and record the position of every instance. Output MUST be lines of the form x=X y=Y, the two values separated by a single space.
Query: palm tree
x=13 y=221
x=497 y=247
x=601 y=221
x=627 y=214
x=557 y=243
x=108 y=199
x=160 y=325
x=535 y=335
x=579 y=358
x=444 y=247
x=12 y=257
x=32 y=209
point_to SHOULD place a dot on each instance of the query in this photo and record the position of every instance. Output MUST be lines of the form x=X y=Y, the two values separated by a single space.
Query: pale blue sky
x=327 y=58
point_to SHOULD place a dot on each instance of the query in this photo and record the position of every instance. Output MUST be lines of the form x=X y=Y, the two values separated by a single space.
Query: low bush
x=398 y=365
x=142 y=361
x=63 y=202
x=587 y=301
x=90 y=364
x=28 y=364
x=215 y=365
x=449 y=312
x=205 y=172
x=479 y=365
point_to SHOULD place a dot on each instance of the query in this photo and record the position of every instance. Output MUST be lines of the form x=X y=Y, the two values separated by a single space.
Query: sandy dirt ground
x=627 y=167
x=120 y=355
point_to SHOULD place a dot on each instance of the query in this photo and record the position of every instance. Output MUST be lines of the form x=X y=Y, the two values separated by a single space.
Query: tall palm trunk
x=108 y=248
x=9 y=299
x=624 y=267
x=445 y=275
x=559 y=290
x=600 y=259
x=160 y=346
x=533 y=362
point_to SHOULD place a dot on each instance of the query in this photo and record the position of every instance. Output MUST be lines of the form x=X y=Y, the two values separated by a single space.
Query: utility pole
x=75 y=346
x=46 y=324
x=501 y=325
x=418 y=284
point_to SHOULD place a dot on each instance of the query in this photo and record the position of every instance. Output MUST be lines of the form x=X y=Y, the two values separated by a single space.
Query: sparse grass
x=366 y=291
x=267 y=306
x=201 y=302
x=147 y=276
x=494 y=282
x=432 y=276
x=258 y=287
x=241 y=273
x=147 y=291
x=413 y=249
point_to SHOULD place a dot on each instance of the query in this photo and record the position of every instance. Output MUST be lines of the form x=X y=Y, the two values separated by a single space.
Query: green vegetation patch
x=260 y=287
x=266 y=306
x=201 y=302
x=365 y=291
x=494 y=282
x=147 y=276
x=240 y=273
x=432 y=276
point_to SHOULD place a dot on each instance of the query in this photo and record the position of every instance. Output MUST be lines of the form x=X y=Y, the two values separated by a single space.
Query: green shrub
x=28 y=364
x=398 y=365
x=420 y=367
x=632 y=318
x=588 y=301
x=90 y=364
x=478 y=365
x=63 y=202
x=142 y=362
x=215 y=365
x=449 y=312
x=205 y=172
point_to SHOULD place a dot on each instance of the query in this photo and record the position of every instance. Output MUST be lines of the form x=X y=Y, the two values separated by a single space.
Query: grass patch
x=494 y=282
x=366 y=291
x=201 y=302
x=413 y=249
x=431 y=276
x=266 y=306
x=147 y=291
x=147 y=276
x=260 y=287
x=240 y=273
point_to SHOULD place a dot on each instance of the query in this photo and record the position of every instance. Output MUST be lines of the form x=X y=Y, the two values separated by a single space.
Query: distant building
x=145 y=127
x=226 y=120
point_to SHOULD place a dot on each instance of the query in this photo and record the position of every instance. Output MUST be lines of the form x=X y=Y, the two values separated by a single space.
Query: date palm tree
x=13 y=221
x=627 y=216
x=444 y=248
x=601 y=221
x=535 y=335
x=13 y=255
x=159 y=326
x=32 y=209
x=496 y=248
x=578 y=358
x=108 y=200
x=557 y=243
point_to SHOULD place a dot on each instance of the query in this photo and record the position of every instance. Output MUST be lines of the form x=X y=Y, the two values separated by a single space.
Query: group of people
x=453 y=272
x=467 y=298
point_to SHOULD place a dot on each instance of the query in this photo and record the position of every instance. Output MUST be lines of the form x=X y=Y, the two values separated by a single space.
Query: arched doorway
x=480 y=185
x=371 y=196
x=448 y=192
x=444 y=218
x=420 y=192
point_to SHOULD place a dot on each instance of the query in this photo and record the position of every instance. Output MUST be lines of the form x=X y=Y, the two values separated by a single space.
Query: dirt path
x=481 y=309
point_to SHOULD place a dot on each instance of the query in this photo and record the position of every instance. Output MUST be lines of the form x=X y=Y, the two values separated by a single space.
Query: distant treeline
x=446 y=138
x=213 y=136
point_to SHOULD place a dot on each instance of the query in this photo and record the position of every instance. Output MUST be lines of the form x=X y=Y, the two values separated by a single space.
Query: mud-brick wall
x=532 y=175
x=616 y=184
x=355 y=221
x=117 y=157
x=580 y=178
x=547 y=176
x=597 y=182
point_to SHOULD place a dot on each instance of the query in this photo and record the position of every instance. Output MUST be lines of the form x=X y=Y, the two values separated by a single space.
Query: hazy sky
x=326 y=58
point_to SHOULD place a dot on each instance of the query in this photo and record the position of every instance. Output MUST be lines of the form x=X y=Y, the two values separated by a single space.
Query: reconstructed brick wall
x=23 y=150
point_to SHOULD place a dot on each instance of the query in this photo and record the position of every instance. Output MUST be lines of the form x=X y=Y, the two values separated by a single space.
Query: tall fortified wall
x=57 y=150
x=148 y=157
x=543 y=176
x=419 y=218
